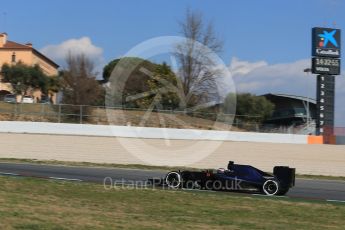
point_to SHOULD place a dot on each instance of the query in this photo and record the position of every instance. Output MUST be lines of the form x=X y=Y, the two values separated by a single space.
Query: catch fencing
x=124 y=116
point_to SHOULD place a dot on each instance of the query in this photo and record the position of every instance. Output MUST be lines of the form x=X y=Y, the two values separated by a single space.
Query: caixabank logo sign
x=326 y=42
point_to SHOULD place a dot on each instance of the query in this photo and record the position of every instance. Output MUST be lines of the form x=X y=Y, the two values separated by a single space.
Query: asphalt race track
x=330 y=190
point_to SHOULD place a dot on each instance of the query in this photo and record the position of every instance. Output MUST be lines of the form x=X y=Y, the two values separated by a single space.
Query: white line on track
x=54 y=178
x=197 y=190
x=338 y=201
x=270 y=196
x=61 y=178
x=8 y=174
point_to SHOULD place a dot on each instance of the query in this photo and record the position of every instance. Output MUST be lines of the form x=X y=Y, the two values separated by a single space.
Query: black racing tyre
x=271 y=187
x=173 y=180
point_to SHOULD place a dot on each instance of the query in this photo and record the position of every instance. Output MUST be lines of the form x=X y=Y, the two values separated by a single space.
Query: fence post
x=15 y=110
x=81 y=114
x=42 y=111
x=59 y=114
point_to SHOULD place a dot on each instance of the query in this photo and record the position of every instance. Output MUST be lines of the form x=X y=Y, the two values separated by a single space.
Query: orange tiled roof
x=14 y=45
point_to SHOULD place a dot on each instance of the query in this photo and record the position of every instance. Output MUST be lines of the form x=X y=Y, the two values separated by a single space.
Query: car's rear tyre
x=173 y=180
x=271 y=187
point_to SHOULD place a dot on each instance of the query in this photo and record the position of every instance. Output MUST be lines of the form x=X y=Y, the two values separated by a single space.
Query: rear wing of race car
x=285 y=175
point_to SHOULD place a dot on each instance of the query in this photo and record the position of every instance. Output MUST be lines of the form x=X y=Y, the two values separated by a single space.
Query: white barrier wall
x=307 y=159
x=146 y=132
x=124 y=145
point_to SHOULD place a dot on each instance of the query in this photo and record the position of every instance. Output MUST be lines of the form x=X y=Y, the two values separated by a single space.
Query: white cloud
x=288 y=78
x=261 y=77
x=83 y=45
x=75 y=46
x=238 y=67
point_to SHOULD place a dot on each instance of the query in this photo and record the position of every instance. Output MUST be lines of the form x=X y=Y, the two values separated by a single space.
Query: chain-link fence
x=84 y=114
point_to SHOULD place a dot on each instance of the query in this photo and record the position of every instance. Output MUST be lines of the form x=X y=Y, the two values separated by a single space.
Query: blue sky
x=264 y=40
x=277 y=31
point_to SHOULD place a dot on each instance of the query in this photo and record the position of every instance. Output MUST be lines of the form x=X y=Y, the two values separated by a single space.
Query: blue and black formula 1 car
x=235 y=178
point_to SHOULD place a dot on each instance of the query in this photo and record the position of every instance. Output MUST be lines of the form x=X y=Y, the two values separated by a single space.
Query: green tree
x=129 y=61
x=162 y=89
x=146 y=83
x=53 y=84
x=108 y=69
x=249 y=106
x=24 y=78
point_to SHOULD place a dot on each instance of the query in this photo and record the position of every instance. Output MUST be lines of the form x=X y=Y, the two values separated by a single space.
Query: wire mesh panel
x=196 y=119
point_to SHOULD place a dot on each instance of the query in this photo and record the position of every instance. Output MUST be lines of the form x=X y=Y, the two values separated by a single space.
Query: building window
x=14 y=57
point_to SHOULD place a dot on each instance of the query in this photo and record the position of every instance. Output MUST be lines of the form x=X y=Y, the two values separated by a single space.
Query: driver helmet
x=221 y=170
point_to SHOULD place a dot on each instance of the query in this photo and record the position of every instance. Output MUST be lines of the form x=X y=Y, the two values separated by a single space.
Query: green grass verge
x=27 y=203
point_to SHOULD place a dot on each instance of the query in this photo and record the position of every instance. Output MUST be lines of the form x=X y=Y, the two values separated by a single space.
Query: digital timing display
x=328 y=66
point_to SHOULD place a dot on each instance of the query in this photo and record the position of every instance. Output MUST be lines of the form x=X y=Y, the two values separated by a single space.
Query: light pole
x=308 y=70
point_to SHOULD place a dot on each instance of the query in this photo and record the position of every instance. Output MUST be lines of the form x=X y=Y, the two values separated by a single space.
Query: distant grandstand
x=292 y=111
